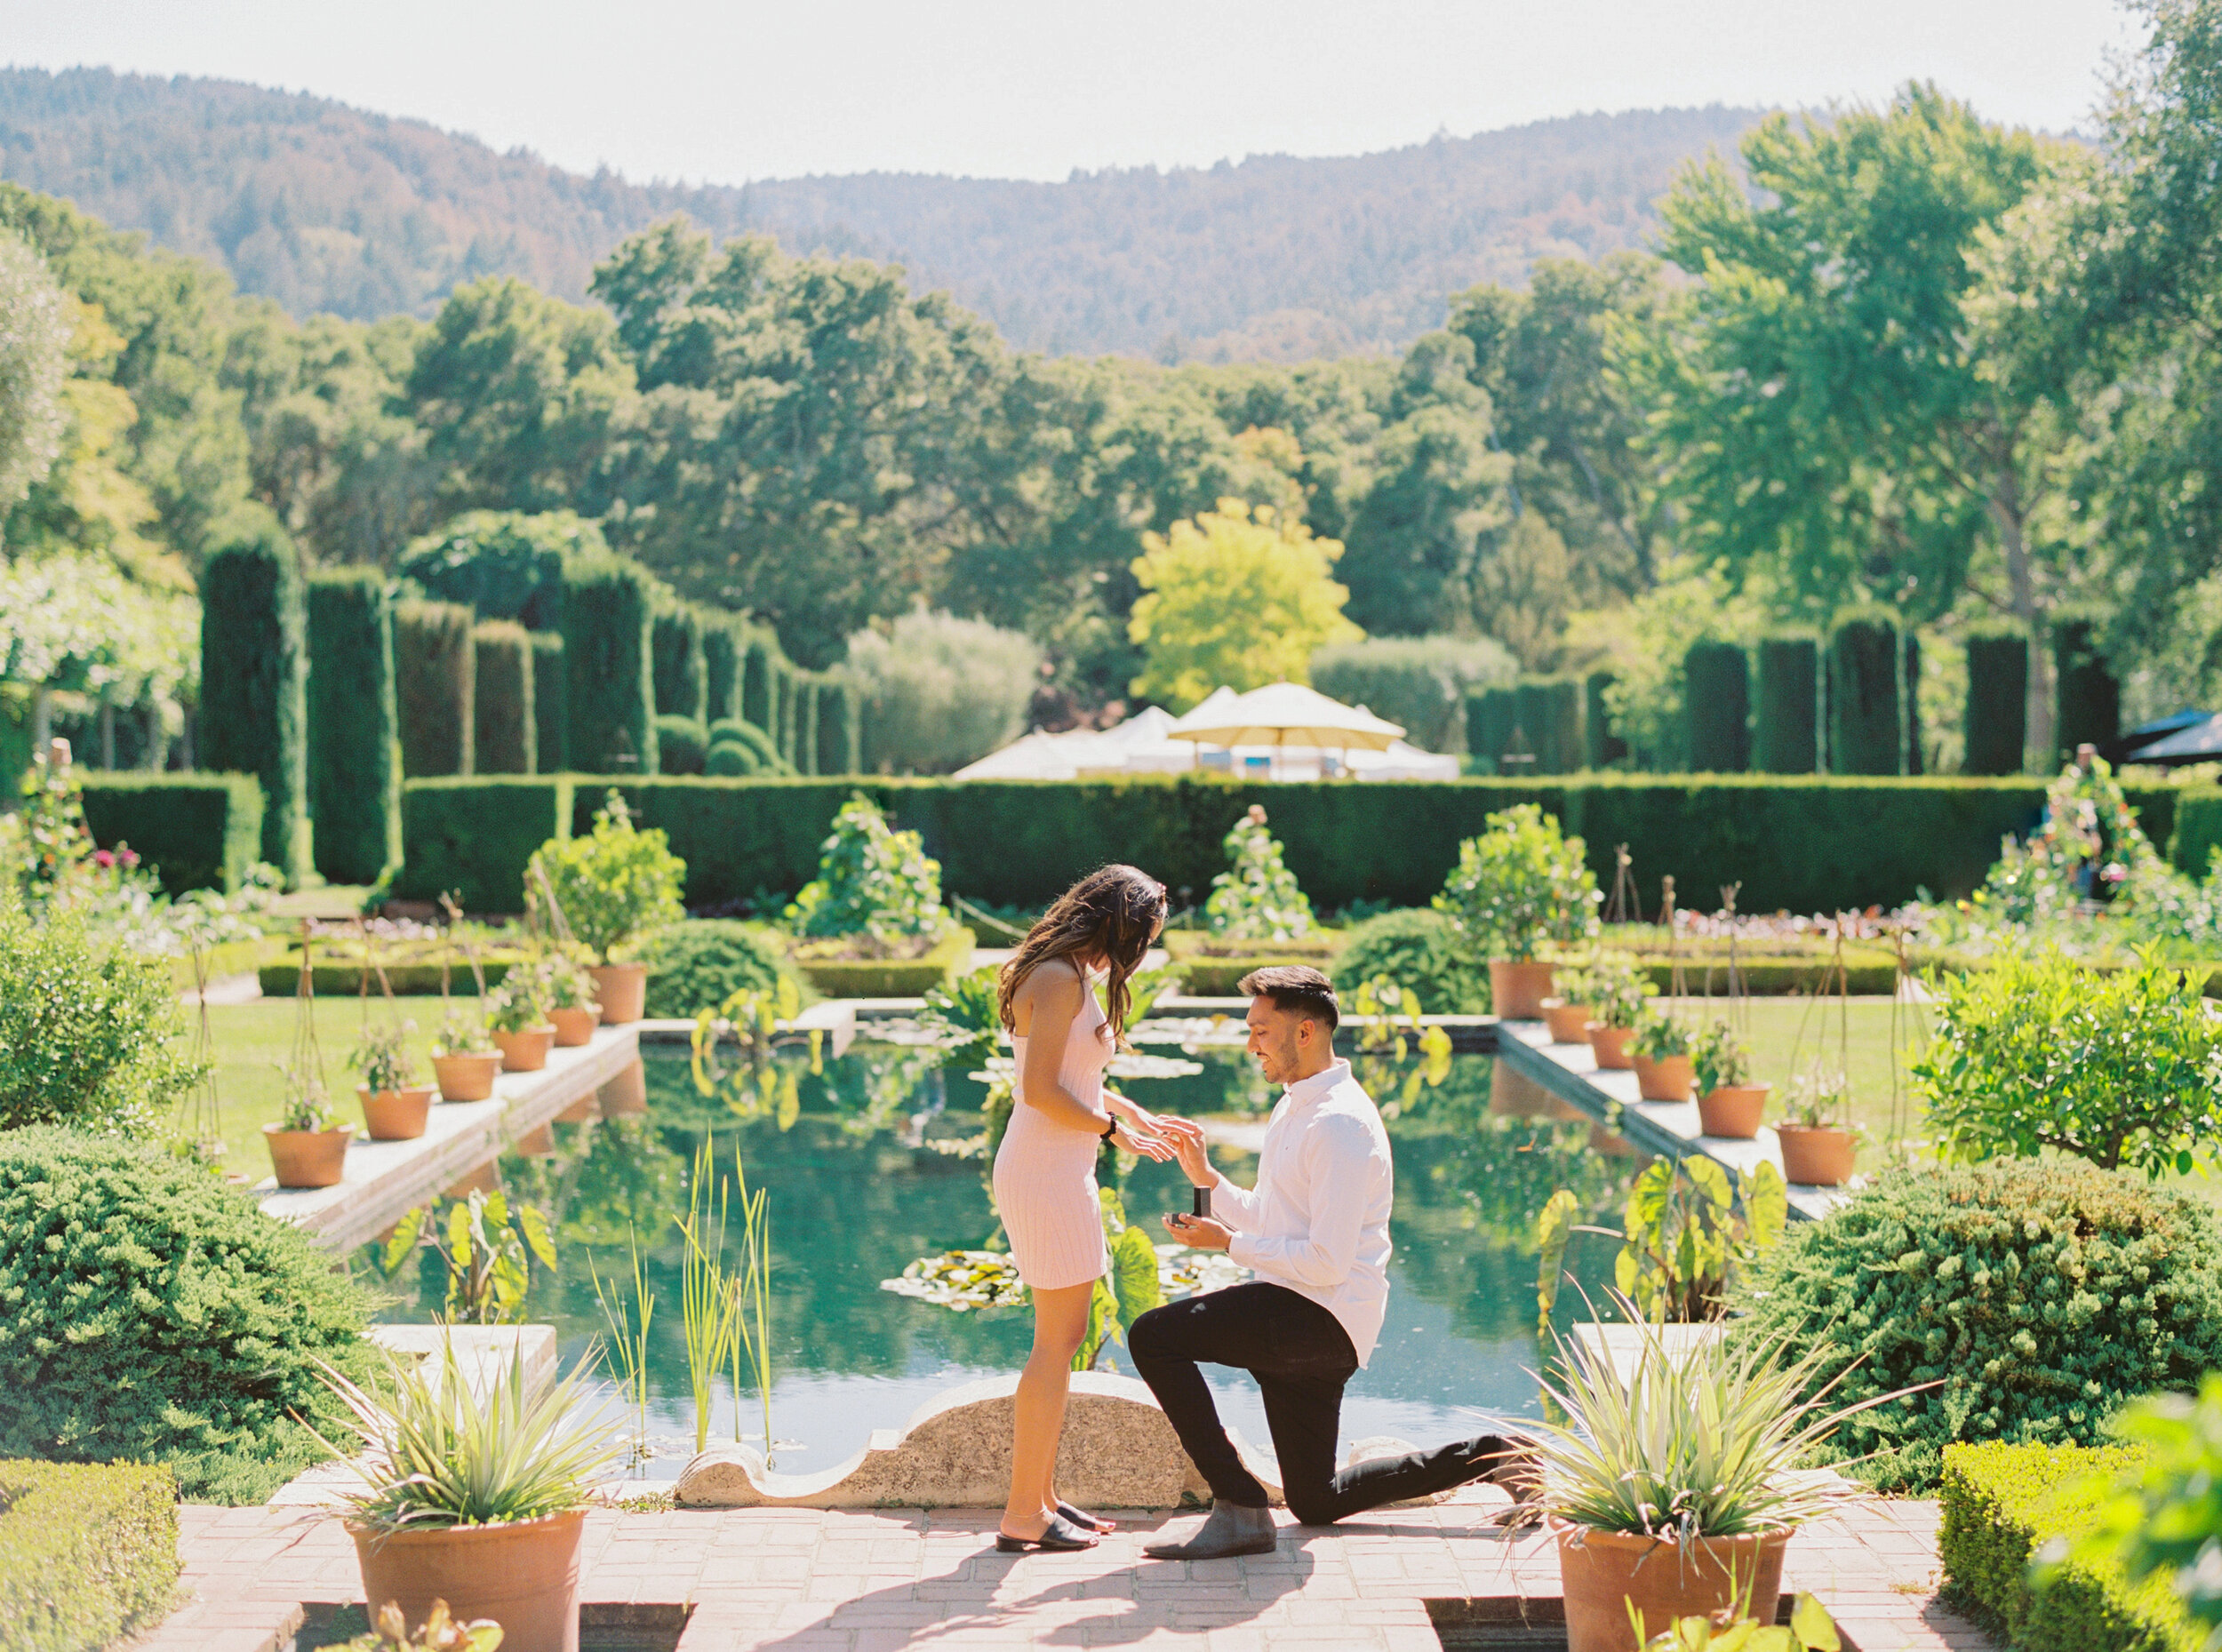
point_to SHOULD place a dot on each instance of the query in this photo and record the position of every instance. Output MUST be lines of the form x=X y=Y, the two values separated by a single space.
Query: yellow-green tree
x=1241 y=595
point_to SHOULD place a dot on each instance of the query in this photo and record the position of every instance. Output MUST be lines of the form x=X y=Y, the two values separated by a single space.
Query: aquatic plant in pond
x=481 y=1246
x=1690 y=1233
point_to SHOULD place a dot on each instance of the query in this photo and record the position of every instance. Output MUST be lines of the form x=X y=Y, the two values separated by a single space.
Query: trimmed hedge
x=2198 y=829
x=608 y=618
x=2003 y=1503
x=1716 y=699
x=696 y=965
x=751 y=750
x=1549 y=710
x=354 y=737
x=1787 y=728
x=88 y=1553
x=891 y=977
x=1997 y=726
x=504 y=716
x=723 y=648
x=254 y=686
x=682 y=688
x=435 y=680
x=1603 y=746
x=2087 y=696
x=807 y=726
x=758 y=668
x=1912 y=701
x=1807 y=843
x=1489 y=717
x=839 y=744
x=787 y=685
x=1864 y=733
x=680 y=744
x=551 y=704
x=198 y=830
x=474 y=837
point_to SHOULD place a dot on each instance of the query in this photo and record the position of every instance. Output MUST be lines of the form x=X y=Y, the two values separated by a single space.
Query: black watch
x=1111 y=1130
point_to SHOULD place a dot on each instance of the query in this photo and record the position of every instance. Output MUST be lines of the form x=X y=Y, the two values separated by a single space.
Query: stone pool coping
x=809 y=1580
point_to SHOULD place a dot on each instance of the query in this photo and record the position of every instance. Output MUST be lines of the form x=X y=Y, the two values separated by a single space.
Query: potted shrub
x=567 y=992
x=611 y=886
x=871 y=923
x=1569 y=1014
x=1817 y=1139
x=1518 y=888
x=1661 y=1049
x=465 y=1057
x=307 y=1148
x=1672 y=1487
x=1729 y=1104
x=477 y=1501
x=1616 y=990
x=521 y=1028
x=395 y=1105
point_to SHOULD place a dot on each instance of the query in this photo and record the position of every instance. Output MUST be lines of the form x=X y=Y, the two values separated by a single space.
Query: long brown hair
x=1112 y=914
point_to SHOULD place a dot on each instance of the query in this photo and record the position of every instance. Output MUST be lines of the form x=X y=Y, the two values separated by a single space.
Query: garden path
x=803 y=1580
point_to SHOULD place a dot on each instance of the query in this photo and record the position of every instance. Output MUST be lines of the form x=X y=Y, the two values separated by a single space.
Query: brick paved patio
x=858 y=1581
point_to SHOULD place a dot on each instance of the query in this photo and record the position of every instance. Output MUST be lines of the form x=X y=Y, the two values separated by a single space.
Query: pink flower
x=102 y=858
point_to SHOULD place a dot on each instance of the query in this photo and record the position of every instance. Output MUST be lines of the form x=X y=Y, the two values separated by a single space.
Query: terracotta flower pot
x=1517 y=991
x=622 y=989
x=1569 y=1023
x=1667 y=1079
x=1603 y=1574
x=1733 y=1110
x=575 y=1027
x=626 y=1095
x=526 y=1051
x=394 y=1116
x=525 y=1576
x=1609 y=1045
x=465 y=1078
x=1815 y=1154
x=308 y=1158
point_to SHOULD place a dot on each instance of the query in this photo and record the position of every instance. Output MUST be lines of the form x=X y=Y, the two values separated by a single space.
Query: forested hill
x=325 y=207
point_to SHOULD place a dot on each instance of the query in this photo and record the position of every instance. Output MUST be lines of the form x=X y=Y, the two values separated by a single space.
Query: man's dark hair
x=1298 y=987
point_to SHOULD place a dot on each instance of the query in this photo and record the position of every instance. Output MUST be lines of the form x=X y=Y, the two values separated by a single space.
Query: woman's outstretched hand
x=1141 y=1142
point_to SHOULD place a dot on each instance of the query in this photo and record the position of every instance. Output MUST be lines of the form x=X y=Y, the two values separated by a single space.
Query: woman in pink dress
x=1045 y=1171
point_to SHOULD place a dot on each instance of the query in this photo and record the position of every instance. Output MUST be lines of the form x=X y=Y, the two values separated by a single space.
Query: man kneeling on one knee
x=1315 y=1234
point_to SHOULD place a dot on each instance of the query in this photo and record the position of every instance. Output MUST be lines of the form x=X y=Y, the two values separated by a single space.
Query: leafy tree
x=940 y=691
x=1236 y=596
x=34 y=332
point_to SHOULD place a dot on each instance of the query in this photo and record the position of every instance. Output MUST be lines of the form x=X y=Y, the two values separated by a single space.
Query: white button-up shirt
x=1318 y=1221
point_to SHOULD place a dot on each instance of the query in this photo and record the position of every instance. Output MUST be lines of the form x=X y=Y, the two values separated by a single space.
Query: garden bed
x=891 y=977
x=1212 y=966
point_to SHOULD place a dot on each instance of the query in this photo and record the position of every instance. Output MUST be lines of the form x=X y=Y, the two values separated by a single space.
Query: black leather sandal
x=1083 y=1519
x=1060 y=1537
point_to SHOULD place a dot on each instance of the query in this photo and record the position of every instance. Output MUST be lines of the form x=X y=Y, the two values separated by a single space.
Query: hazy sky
x=699 y=89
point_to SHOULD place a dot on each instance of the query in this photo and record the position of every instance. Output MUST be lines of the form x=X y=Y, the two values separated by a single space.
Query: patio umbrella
x=2201 y=742
x=1285 y=713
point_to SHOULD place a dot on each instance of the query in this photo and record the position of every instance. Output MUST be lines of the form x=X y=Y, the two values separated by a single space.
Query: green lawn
x=251 y=1040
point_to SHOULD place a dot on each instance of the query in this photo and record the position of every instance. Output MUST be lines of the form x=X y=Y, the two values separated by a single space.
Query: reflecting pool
x=874 y=1159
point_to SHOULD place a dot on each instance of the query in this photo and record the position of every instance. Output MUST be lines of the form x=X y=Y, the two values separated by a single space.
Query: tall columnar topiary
x=504 y=564
x=1865 y=733
x=506 y=727
x=1490 y=717
x=436 y=681
x=837 y=744
x=682 y=688
x=789 y=686
x=608 y=614
x=722 y=650
x=1910 y=657
x=807 y=726
x=1603 y=747
x=1256 y=898
x=354 y=734
x=1998 y=700
x=2086 y=693
x=1716 y=695
x=551 y=704
x=254 y=684
x=1787 y=726
x=1549 y=713
x=759 y=693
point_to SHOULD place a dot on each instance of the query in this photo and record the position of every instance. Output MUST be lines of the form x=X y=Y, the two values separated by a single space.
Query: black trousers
x=1301 y=1358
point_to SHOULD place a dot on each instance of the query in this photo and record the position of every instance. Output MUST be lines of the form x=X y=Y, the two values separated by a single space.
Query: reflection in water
x=858 y=1188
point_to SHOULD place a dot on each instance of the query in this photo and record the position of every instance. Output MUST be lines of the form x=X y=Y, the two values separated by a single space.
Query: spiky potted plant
x=1519 y=887
x=1817 y=1140
x=307 y=1148
x=1672 y=1488
x=611 y=886
x=567 y=992
x=1661 y=1049
x=465 y=1057
x=479 y=1501
x=520 y=1026
x=1729 y=1104
x=1618 y=992
x=395 y=1105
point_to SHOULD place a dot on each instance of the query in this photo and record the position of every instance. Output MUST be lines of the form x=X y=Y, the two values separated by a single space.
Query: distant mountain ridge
x=323 y=207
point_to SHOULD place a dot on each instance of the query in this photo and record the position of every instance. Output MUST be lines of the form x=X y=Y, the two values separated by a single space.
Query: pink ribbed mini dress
x=1045 y=1171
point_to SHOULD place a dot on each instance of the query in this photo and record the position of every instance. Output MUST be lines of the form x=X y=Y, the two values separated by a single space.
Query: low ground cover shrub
x=2003 y=1505
x=700 y=964
x=1418 y=949
x=2120 y=1067
x=2038 y=1297
x=147 y=1312
x=88 y=1553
